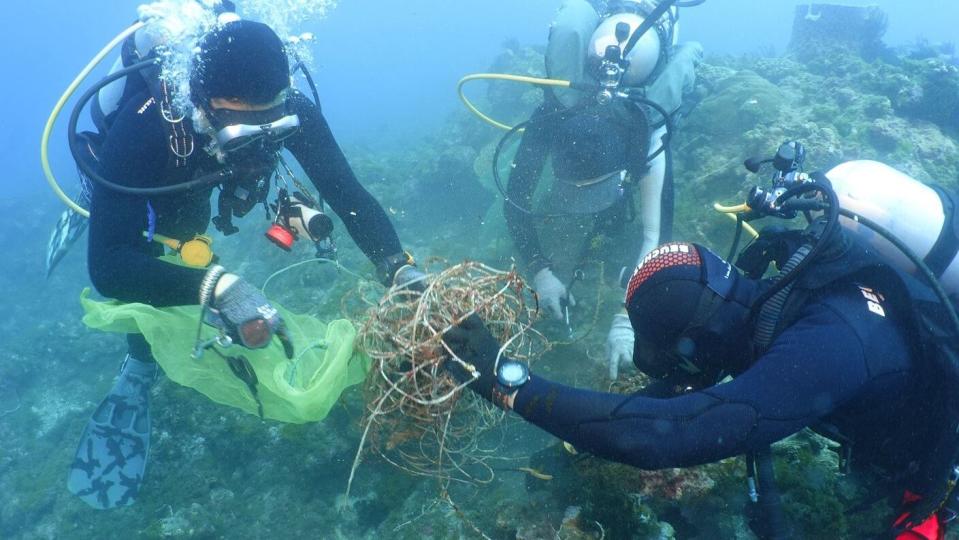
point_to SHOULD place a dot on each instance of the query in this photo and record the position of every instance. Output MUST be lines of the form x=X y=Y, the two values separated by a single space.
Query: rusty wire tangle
x=418 y=417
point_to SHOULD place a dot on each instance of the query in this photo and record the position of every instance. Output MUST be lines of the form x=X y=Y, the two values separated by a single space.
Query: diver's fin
x=111 y=458
x=71 y=224
x=69 y=227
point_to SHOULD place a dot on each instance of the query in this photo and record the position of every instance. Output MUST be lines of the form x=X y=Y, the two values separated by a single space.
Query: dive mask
x=239 y=129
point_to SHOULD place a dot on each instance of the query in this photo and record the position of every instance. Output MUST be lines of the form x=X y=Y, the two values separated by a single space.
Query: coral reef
x=822 y=27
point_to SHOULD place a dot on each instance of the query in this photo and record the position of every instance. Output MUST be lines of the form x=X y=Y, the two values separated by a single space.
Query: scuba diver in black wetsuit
x=603 y=148
x=844 y=343
x=152 y=169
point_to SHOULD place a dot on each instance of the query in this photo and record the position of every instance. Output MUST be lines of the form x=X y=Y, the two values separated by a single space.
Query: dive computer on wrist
x=511 y=375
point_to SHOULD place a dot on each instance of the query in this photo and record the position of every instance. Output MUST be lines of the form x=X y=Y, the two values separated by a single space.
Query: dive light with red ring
x=297 y=216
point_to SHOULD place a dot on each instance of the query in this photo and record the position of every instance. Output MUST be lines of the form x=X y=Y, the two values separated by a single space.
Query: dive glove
x=619 y=344
x=473 y=343
x=242 y=312
x=410 y=277
x=553 y=296
x=399 y=270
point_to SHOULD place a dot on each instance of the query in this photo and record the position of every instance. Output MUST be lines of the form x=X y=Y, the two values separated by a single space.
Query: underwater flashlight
x=297 y=217
x=281 y=236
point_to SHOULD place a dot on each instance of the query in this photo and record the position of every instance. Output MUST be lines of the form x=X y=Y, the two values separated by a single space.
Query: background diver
x=601 y=152
x=244 y=112
x=843 y=341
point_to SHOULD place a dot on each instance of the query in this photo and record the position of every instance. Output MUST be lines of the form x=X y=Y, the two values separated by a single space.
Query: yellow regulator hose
x=48 y=129
x=502 y=77
x=731 y=211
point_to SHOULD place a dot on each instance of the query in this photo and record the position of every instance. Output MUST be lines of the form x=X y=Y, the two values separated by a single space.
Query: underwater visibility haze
x=465 y=278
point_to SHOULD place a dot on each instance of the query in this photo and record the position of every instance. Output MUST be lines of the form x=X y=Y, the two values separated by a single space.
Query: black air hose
x=772 y=308
x=75 y=143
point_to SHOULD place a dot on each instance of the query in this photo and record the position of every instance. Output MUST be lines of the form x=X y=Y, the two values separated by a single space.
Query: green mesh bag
x=300 y=390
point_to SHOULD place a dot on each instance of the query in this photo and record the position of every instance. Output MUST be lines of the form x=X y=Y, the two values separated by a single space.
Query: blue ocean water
x=413 y=53
x=386 y=74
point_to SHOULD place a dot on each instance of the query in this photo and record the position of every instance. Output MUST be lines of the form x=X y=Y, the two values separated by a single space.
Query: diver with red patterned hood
x=846 y=359
x=856 y=336
x=155 y=167
x=607 y=148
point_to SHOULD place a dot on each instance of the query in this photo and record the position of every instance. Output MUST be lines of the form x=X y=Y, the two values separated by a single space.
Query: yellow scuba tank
x=922 y=216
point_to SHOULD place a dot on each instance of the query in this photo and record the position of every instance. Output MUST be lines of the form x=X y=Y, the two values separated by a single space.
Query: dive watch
x=511 y=375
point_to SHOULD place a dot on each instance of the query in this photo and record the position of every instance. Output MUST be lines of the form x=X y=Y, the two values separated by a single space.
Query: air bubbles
x=177 y=26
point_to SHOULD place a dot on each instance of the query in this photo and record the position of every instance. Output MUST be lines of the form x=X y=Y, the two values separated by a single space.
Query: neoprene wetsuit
x=123 y=264
x=583 y=145
x=839 y=362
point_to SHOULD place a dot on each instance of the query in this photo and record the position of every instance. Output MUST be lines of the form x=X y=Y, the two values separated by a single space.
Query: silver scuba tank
x=919 y=215
x=579 y=36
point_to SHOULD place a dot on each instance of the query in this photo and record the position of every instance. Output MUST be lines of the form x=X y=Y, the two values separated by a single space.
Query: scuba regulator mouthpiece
x=613 y=66
x=611 y=71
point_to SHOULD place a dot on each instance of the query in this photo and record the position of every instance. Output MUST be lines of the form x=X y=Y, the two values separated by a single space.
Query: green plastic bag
x=300 y=390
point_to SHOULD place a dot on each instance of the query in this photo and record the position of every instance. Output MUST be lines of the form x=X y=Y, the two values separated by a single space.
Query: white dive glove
x=619 y=344
x=552 y=293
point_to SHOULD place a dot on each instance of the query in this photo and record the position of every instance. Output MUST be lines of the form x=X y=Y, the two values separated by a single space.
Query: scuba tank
x=580 y=37
x=141 y=45
x=111 y=97
x=922 y=216
x=645 y=54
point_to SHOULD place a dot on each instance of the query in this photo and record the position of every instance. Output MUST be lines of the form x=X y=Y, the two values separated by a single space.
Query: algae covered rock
x=819 y=27
x=512 y=102
x=738 y=103
x=934 y=94
x=626 y=501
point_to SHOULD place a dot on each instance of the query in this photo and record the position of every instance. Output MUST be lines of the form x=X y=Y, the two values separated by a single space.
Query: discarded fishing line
x=9 y=398
x=629 y=384
x=418 y=417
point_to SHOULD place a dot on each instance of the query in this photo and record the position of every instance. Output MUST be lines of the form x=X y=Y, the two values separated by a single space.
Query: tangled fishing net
x=418 y=417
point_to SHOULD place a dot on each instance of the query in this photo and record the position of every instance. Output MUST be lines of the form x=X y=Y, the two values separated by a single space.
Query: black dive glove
x=410 y=277
x=400 y=270
x=473 y=343
x=245 y=315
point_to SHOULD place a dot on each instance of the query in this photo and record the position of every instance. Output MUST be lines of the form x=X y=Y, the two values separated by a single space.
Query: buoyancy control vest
x=928 y=330
x=239 y=192
x=113 y=97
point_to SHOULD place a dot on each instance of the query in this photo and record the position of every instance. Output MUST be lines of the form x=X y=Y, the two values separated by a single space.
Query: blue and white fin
x=68 y=229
